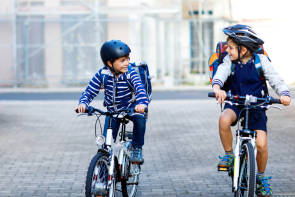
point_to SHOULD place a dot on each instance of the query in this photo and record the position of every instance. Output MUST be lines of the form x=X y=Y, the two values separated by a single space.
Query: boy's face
x=232 y=50
x=121 y=64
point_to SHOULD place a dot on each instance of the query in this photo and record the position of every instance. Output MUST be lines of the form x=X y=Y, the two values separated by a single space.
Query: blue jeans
x=139 y=125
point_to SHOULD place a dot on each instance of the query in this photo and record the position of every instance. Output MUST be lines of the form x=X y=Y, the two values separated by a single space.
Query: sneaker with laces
x=263 y=186
x=136 y=156
x=225 y=162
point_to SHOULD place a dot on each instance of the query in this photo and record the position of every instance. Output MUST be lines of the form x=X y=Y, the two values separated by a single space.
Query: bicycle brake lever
x=120 y=115
x=229 y=102
x=277 y=107
x=82 y=114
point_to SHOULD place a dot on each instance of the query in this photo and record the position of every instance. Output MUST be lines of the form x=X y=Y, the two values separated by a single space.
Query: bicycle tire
x=97 y=174
x=129 y=183
x=246 y=181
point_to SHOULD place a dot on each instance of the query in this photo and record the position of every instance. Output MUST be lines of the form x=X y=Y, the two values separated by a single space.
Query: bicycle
x=111 y=163
x=242 y=172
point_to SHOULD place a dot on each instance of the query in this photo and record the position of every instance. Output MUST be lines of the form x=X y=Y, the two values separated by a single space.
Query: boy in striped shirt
x=119 y=84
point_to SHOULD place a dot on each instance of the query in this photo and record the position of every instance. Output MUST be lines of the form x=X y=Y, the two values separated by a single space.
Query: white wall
x=273 y=21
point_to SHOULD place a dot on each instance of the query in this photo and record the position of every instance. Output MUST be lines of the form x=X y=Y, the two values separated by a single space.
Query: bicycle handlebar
x=253 y=99
x=90 y=110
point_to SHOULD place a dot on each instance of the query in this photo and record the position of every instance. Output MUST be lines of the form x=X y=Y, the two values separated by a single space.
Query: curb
x=81 y=89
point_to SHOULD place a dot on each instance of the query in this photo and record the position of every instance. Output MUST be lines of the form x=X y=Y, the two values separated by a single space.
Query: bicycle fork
x=236 y=164
x=109 y=141
x=237 y=155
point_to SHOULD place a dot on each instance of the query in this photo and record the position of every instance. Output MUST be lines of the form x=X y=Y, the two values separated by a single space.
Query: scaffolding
x=57 y=42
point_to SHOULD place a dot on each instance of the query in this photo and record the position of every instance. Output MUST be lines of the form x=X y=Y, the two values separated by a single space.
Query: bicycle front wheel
x=97 y=176
x=246 y=181
x=130 y=182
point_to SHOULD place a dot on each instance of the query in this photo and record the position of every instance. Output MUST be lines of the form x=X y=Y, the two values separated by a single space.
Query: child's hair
x=243 y=35
x=112 y=50
x=249 y=51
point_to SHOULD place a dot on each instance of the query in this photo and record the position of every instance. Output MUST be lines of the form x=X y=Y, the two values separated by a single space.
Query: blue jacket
x=245 y=79
x=118 y=94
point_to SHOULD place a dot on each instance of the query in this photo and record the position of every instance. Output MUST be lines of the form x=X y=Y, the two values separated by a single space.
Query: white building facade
x=56 y=43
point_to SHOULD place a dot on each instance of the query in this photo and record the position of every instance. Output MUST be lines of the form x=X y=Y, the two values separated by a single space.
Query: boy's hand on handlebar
x=219 y=94
x=140 y=108
x=285 y=100
x=81 y=108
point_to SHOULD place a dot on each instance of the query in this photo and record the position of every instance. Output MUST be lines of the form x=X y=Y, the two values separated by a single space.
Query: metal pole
x=26 y=43
x=200 y=33
x=14 y=45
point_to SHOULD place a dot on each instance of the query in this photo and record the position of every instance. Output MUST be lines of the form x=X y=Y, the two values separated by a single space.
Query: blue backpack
x=142 y=70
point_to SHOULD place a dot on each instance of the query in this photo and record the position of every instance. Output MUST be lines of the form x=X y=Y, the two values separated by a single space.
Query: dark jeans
x=139 y=125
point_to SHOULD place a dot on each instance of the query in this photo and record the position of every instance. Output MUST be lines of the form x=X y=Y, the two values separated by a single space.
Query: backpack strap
x=104 y=81
x=258 y=65
x=128 y=80
x=105 y=76
x=259 y=69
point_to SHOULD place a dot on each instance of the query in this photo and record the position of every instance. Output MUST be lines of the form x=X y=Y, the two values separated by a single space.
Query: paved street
x=45 y=149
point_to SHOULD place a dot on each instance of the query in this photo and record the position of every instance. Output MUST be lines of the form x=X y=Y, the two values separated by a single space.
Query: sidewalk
x=80 y=89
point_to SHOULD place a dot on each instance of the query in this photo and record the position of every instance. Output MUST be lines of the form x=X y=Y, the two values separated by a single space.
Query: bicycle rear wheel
x=97 y=176
x=130 y=182
x=246 y=181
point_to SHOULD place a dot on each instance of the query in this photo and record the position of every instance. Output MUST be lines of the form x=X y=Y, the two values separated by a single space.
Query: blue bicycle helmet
x=244 y=35
x=112 y=50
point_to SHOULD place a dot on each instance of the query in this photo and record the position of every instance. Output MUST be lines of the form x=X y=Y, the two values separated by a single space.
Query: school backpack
x=217 y=58
x=142 y=70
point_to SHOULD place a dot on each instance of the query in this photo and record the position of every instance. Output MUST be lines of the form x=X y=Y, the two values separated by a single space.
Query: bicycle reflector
x=100 y=140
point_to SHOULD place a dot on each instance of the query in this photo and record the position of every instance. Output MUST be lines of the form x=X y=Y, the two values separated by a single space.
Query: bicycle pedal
x=224 y=169
x=259 y=194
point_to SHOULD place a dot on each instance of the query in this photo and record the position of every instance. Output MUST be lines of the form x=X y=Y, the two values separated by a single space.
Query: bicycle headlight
x=100 y=140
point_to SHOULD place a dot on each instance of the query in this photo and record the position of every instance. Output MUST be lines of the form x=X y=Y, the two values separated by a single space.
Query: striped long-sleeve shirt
x=118 y=94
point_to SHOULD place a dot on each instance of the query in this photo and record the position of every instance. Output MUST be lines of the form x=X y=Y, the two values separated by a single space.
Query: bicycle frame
x=240 y=140
x=111 y=148
x=109 y=144
x=245 y=148
x=106 y=145
x=114 y=157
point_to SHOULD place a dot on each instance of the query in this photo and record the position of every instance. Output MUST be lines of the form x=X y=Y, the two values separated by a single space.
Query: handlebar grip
x=91 y=109
x=211 y=94
x=274 y=100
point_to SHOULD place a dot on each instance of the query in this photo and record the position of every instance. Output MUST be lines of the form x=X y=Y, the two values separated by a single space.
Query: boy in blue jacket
x=118 y=93
x=242 y=43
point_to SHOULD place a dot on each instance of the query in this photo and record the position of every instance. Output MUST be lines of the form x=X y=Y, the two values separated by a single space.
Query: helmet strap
x=239 y=51
x=113 y=70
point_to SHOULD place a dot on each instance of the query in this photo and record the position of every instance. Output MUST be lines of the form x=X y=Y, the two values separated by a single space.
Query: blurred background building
x=56 y=43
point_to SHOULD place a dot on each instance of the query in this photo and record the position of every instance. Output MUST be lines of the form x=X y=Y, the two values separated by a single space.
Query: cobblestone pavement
x=45 y=150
